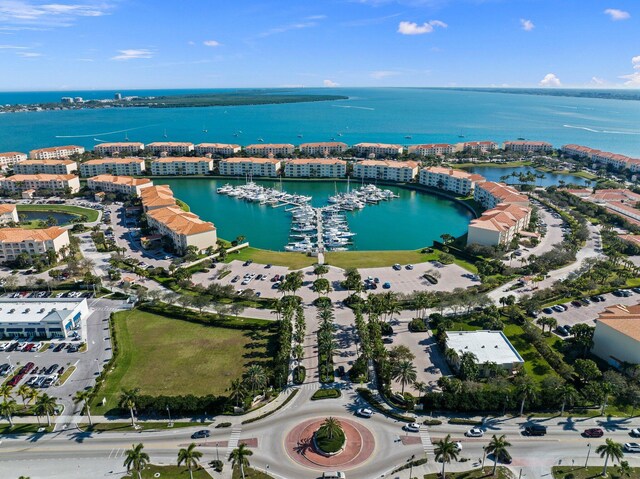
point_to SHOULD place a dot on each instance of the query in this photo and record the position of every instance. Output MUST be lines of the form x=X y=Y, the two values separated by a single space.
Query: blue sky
x=96 y=44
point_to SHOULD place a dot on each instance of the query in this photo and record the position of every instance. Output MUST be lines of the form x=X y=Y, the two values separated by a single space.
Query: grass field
x=534 y=363
x=279 y=258
x=164 y=356
x=169 y=472
x=562 y=472
x=126 y=426
x=6 y=429
x=501 y=473
x=92 y=215
x=250 y=473
x=376 y=259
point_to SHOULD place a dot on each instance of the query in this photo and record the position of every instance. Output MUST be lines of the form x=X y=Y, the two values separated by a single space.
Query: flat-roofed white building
x=524 y=146
x=217 y=149
x=113 y=166
x=14 y=241
x=315 y=168
x=58 y=183
x=378 y=149
x=487 y=346
x=41 y=317
x=616 y=338
x=49 y=167
x=125 y=185
x=55 y=152
x=479 y=146
x=182 y=229
x=323 y=148
x=10 y=158
x=119 y=148
x=266 y=149
x=403 y=171
x=8 y=213
x=489 y=194
x=170 y=147
x=182 y=165
x=269 y=167
x=433 y=149
x=459 y=182
x=499 y=225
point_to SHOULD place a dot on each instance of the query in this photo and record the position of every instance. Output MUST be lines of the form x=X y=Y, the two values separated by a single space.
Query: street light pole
x=588 y=454
x=169 y=413
x=484 y=455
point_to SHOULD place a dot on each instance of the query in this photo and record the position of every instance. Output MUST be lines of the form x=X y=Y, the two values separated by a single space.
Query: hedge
x=326 y=394
x=284 y=403
x=465 y=421
x=367 y=395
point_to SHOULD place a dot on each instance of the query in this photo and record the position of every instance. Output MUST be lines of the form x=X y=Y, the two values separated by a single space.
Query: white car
x=635 y=432
x=474 y=432
x=364 y=412
x=459 y=446
x=412 y=427
x=632 y=447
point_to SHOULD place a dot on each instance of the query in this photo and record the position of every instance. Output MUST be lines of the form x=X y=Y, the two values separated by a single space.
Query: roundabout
x=358 y=446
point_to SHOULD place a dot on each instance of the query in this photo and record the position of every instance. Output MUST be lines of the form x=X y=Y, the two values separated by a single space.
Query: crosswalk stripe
x=233 y=440
x=426 y=441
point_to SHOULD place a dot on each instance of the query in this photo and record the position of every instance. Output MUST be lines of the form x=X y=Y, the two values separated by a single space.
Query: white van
x=333 y=475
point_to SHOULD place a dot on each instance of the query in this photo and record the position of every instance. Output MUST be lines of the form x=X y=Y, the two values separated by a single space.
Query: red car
x=593 y=432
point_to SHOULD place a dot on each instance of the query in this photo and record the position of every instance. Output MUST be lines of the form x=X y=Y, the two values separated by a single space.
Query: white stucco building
x=389 y=170
x=433 y=149
x=14 y=241
x=119 y=148
x=378 y=149
x=487 y=346
x=323 y=148
x=42 y=317
x=457 y=181
x=48 y=167
x=159 y=148
x=221 y=149
x=8 y=214
x=315 y=168
x=55 y=152
x=617 y=336
x=58 y=183
x=182 y=165
x=125 y=185
x=10 y=158
x=269 y=167
x=113 y=166
x=273 y=149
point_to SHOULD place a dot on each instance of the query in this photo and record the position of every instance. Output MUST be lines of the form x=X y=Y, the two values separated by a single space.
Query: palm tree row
x=326 y=343
x=44 y=405
x=447 y=450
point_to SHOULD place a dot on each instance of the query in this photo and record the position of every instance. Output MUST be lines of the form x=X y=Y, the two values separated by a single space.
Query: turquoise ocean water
x=385 y=115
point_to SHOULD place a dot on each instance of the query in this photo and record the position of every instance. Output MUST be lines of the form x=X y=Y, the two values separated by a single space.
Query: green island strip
x=566 y=92
x=170 y=472
x=92 y=215
x=227 y=99
x=501 y=473
x=578 y=472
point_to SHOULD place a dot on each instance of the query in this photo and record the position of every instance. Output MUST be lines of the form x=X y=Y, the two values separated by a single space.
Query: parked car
x=201 y=434
x=557 y=308
x=386 y=285
x=632 y=447
x=547 y=311
x=412 y=427
x=409 y=266
x=364 y=412
x=397 y=267
x=474 y=432
x=593 y=432
x=576 y=303
x=561 y=331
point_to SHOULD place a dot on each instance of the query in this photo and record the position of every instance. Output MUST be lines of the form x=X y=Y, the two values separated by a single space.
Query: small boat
x=408 y=137
x=165 y=133
x=260 y=140
x=299 y=136
x=204 y=130
x=339 y=134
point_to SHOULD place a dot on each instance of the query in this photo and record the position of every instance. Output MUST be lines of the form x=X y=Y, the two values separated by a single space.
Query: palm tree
x=33 y=395
x=446 y=450
x=5 y=391
x=256 y=377
x=136 y=459
x=24 y=392
x=237 y=391
x=498 y=446
x=404 y=372
x=190 y=457
x=610 y=449
x=568 y=394
x=8 y=409
x=332 y=426
x=83 y=396
x=239 y=457
x=128 y=399
x=46 y=406
x=624 y=470
x=526 y=390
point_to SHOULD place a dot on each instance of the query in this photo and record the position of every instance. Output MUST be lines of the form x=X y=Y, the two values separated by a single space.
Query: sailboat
x=204 y=130
x=165 y=133
x=126 y=137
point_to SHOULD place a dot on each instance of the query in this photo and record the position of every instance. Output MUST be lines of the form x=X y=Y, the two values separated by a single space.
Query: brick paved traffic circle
x=359 y=445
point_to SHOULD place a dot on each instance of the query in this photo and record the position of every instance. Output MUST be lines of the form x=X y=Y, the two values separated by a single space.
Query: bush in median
x=326 y=394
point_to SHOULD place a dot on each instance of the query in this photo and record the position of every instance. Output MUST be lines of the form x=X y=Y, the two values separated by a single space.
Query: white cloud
x=550 y=80
x=616 y=14
x=133 y=54
x=211 y=43
x=378 y=74
x=527 y=25
x=191 y=42
x=29 y=54
x=635 y=61
x=13 y=47
x=633 y=79
x=32 y=12
x=412 y=28
x=330 y=83
x=307 y=23
x=597 y=81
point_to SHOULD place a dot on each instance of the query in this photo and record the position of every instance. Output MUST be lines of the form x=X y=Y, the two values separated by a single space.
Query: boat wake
x=610 y=132
x=356 y=107
x=104 y=133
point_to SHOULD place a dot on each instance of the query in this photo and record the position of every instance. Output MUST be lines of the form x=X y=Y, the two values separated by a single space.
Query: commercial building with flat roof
x=119 y=148
x=20 y=183
x=48 y=167
x=113 y=166
x=487 y=346
x=616 y=338
x=222 y=149
x=10 y=158
x=269 y=167
x=125 y=185
x=15 y=241
x=403 y=171
x=315 y=168
x=41 y=318
x=182 y=165
x=55 y=152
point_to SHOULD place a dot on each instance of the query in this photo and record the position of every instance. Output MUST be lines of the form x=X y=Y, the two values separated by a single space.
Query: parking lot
x=47 y=360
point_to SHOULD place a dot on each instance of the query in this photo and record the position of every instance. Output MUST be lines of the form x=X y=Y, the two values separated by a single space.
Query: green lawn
x=169 y=472
x=566 y=472
x=126 y=426
x=501 y=473
x=376 y=259
x=164 y=356
x=534 y=363
x=250 y=473
x=278 y=258
x=6 y=429
x=92 y=215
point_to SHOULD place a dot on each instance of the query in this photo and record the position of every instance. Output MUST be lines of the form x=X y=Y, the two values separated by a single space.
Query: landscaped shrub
x=367 y=395
x=322 y=301
x=299 y=374
x=358 y=370
x=417 y=325
x=326 y=394
x=223 y=424
x=386 y=329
